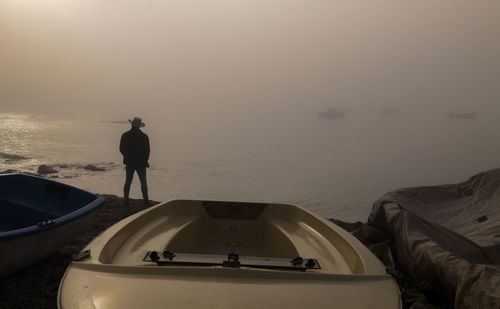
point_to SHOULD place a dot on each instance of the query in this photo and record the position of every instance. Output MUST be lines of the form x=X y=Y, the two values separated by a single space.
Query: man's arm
x=122 y=144
x=147 y=148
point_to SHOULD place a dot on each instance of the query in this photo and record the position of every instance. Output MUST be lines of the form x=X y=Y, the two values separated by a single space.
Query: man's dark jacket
x=134 y=146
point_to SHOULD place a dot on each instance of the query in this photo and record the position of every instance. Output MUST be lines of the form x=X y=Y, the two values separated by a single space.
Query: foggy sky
x=113 y=59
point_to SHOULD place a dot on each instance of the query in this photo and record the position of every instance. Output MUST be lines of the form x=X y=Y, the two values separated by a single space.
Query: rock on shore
x=45 y=169
x=11 y=158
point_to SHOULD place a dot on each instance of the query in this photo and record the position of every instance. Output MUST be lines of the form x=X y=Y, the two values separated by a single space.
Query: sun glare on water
x=16 y=131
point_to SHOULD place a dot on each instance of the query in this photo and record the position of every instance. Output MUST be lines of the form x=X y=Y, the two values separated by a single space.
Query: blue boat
x=38 y=217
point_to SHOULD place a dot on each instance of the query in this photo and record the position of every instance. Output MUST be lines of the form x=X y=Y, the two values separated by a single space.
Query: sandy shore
x=37 y=285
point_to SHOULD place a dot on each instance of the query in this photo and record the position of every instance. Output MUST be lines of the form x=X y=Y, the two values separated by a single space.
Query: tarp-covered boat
x=39 y=216
x=448 y=238
x=204 y=254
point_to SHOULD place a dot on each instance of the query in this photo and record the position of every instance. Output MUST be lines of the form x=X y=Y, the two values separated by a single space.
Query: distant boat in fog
x=466 y=116
x=332 y=113
x=389 y=111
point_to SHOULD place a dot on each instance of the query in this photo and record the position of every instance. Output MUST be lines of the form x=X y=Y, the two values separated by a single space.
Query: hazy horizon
x=223 y=58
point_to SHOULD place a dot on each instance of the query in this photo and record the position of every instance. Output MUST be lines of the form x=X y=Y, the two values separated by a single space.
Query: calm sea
x=335 y=167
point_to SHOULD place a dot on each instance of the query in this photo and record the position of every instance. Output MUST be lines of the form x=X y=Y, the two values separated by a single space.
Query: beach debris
x=93 y=168
x=45 y=169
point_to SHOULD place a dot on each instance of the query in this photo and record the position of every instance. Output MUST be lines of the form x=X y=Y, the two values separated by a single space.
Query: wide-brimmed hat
x=137 y=122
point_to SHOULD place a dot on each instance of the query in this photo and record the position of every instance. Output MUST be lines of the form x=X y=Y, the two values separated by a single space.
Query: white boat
x=205 y=254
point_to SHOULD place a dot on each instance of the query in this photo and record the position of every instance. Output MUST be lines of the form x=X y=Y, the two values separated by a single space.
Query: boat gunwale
x=217 y=271
x=59 y=221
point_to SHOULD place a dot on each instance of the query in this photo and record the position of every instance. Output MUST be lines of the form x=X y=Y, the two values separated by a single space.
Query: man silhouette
x=134 y=146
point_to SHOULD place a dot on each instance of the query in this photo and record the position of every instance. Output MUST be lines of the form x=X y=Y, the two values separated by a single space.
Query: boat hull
x=38 y=217
x=17 y=253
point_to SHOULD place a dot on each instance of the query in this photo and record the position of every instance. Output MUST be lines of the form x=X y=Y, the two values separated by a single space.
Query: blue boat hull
x=38 y=217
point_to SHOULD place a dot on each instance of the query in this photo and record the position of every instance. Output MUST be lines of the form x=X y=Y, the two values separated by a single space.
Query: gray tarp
x=448 y=237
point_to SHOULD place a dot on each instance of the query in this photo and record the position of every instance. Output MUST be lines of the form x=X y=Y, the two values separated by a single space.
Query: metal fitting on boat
x=310 y=263
x=297 y=261
x=233 y=260
x=168 y=254
x=154 y=256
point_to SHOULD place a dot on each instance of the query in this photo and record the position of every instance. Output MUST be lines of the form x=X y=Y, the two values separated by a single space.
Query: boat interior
x=27 y=201
x=15 y=216
x=198 y=231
